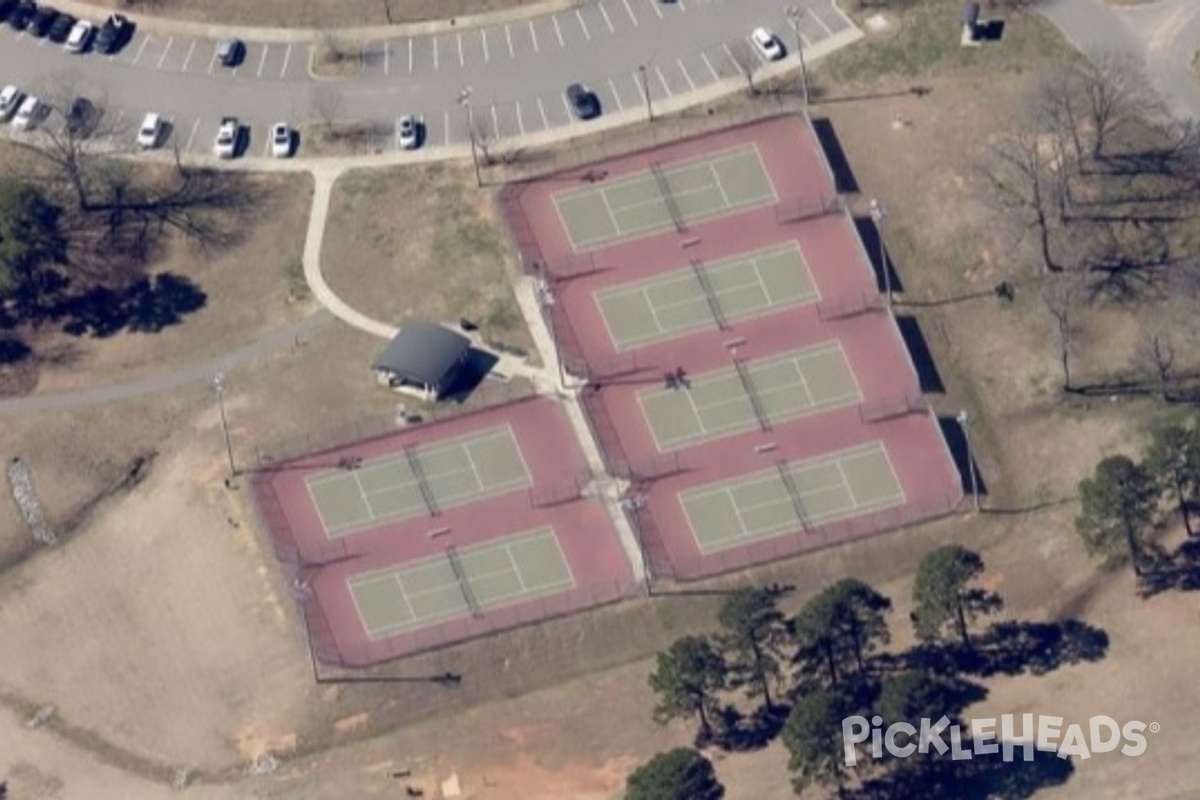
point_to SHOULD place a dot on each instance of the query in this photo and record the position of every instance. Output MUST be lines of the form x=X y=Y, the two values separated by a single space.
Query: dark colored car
x=61 y=28
x=230 y=52
x=40 y=23
x=113 y=35
x=81 y=118
x=584 y=103
x=19 y=17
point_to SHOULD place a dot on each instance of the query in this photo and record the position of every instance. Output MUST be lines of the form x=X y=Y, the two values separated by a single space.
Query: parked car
x=583 y=101
x=230 y=52
x=767 y=44
x=80 y=37
x=19 y=17
x=61 y=28
x=40 y=22
x=150 y=132
x=409 y=132
x=28 y=115
x=226 y=145
x=10 y=101
x=81 y=118
x=113 y=34
x=281 y=140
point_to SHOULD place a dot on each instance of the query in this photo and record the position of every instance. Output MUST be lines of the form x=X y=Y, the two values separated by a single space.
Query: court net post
x=760 y=412
x=414 y=464
x=710 y=296
x=464 y=585
x=789 y=483
x=668 y=198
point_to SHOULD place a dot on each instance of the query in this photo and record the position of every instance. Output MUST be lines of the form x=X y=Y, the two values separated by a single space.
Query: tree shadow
x=983 y=777
x=739 y=733
x=1164 y=571
x=13 y=351
x=1014 y=648
x=148 y=305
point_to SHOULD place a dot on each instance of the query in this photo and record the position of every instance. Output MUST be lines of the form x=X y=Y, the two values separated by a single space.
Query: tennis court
x=706 y=296
x=760 y=393
x=459 y=583
x=665 y=197
x=418 y=481
x=791 y=497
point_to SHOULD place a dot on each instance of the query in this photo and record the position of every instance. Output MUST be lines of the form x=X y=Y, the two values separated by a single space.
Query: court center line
x=474 y=468
x=812 y=401
x=404 y=593
x=737 y=513
x=515 y=568
x=533 y=36
x=720 y=186
x=607 y=207
x=653 y=313
x=846 y=481
x=362 y=492
x=695 y=412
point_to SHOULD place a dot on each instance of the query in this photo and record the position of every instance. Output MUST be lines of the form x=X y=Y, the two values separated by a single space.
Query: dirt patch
x=336 y=58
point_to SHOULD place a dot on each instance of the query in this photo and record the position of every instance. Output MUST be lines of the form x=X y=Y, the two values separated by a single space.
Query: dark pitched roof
x=424 y=353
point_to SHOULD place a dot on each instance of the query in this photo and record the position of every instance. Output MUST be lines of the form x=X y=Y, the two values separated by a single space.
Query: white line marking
x=566 y=107
x=654 y=5
x=516 y=569
x=520 y=122
x=188 y=57
x=435 y=53
x=287 y=55
x=607 y=21
x=143 y=47
x=446 y=123
x=192 y=136
x=486 y=55
x=387 y=58
x=683 y=69
x=410 y=55
x=711 y=71
x=558 y=31
x=542 y=111
x=533 y=35
x=121 y=116
x=629 y=9
x=736 y=65
x=262 y=62
x=582 y=24
x=616 y=96
x=495 y=124
x=663 y=81
x=821 y=22
x=508 y=34
x=679 y=4
x=461 y=61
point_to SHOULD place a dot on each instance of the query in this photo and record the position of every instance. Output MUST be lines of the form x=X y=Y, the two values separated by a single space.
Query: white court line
x=616 y=96
x=508 y=35
x=737 y=512
x=486 y=56
x=629 y=9
x=687 y=77
x=846 y=483
x=696 y=413
x=187 y=59
x=663 y=81
x=145 y=42
x=167 y=49
x=410 y=55
x=404 y=594
x=474 y=469
x=720 y=186
x=582 y=24
x=262 y=62
x=287 y=55
x=542 y=111
x=363 y=494
x=533 y=35
x=558 y=31
x=520 y=121
x=733 y=60
x=607 y=21
x=435 y=53
x=654 y=5
x=516 y=569
x=653 y=310
x=461 y=60
x=711 y=71
x=192 y=136
x=608 y=207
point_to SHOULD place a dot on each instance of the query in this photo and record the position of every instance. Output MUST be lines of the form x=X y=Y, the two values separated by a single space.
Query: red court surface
x=585 y=535
x=847 y=308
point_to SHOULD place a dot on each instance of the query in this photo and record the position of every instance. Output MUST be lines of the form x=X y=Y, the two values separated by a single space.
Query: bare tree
x=328 y=105
x=1156 y=354
x=1021 y=173
x=1114 y=93
x=1061 y=295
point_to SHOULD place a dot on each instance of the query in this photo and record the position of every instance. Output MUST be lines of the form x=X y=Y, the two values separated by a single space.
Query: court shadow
x=928 y=377
x=952 y=432
x=843 y=176
x=878 y=256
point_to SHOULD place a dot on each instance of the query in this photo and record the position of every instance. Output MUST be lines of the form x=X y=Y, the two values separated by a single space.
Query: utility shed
x=424 y=359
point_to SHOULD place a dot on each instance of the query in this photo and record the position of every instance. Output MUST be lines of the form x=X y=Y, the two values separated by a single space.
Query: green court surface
x=420 y=481
x=470 y=581
x=706 y=295
x=792 y=497
x=674 y=195
x=763 y=392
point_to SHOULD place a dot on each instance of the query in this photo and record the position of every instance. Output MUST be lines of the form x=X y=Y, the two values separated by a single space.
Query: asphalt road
x=516 y=72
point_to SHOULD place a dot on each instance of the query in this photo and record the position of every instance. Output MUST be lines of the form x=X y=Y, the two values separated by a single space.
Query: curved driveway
x=516 y=70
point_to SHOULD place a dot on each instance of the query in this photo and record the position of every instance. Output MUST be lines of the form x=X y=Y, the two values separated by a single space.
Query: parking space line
x=461 y=60
x=192 y=136
x=508 y=35
x=187 y=59
x=821 y=22
x=679 y=4
x=387 y=57
x=287 y=54
x=736 y=65
x=520 y=121
x=120 y=116
x=486 y=56
x=558 y=31
x=410 y=55
x=435 y=53
x=212 y=62
x=566 y=106
x=686 y=77
x=446 y=126
x=143 y=47
x=616 y=96
x=533 y=35
x=663 y=81
x=542 y=111
x=711 y=71
x=262 y=62
x=607 y=21
x=495 y=124
x=582 y=24
x=629 y=9
x=654 y=5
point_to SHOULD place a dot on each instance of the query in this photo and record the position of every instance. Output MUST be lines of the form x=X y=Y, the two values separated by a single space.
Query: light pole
x=963 y=418
x=464 y=100
x=218 y=384
x=646 y=92
x=794 y=14
x=878 y=215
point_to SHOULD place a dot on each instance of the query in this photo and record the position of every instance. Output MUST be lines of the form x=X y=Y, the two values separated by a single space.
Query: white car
x=410 y=134
x=281 y=140
x=28 y=114
x=767 y=44
x=10 y=101
x=80 y=36
x=227 y=138
x=150 y=131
